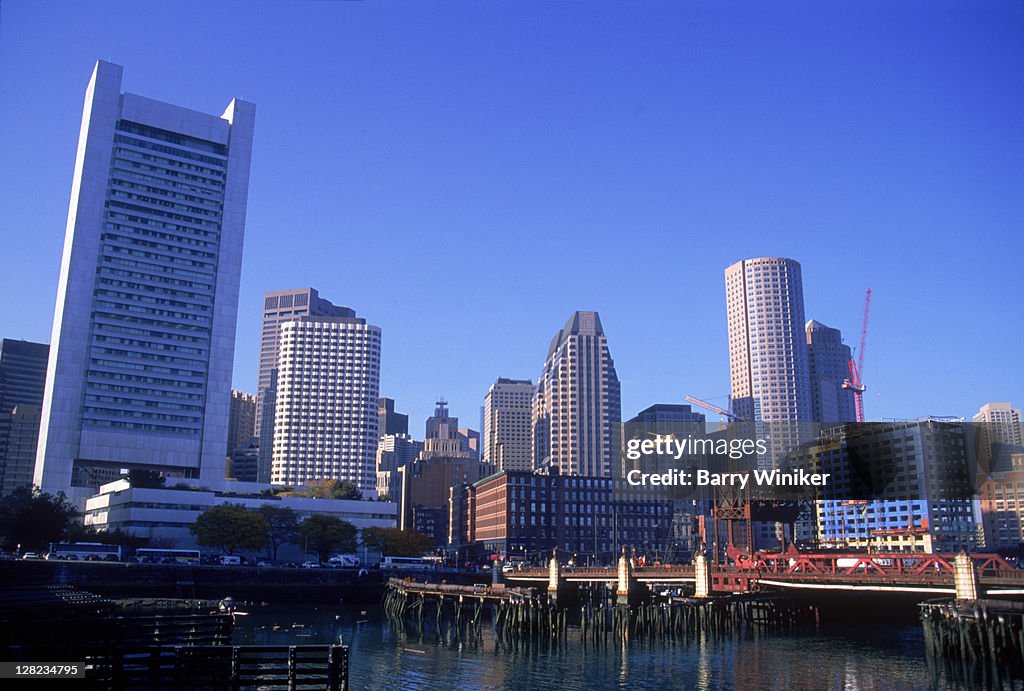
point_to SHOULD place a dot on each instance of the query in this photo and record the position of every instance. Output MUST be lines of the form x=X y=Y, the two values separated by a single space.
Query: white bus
x=147 y=555
x=407 y=563
x=84 y=551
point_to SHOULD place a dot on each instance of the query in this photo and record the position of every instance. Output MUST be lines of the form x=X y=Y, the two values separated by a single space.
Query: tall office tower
x=508 y=407
x=325 y=420
x=470 y=441
x=144 y=330
x=669 y=418
x=390 y=422
x=393 y=452
x=661 y=419
x=441 y=425
x=1004 y=423
x=280 y=306
x=577 y=410
x=829 y=360
x=1002 y=505
x=999 y=436
x=241 y=421
x=396 y=450
x=768 y=349
x=422 y=486
x=22 y=379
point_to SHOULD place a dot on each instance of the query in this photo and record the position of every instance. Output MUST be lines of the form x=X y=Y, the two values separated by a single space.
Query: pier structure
x=980 y=642
x=518 y=613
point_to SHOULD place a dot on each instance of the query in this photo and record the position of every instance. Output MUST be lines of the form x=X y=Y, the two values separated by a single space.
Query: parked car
x=29 y=555
x=343 y=560
x=311 y=565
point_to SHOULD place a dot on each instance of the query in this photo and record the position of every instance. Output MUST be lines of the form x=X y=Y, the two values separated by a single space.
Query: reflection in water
x=863 y=656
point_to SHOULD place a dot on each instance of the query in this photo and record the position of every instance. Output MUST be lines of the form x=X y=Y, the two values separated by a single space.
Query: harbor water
x=862 y=655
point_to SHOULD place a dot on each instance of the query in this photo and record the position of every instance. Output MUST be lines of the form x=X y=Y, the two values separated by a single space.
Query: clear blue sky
x=465 y=175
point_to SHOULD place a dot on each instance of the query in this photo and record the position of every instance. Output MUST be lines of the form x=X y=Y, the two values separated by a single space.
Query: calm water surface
x=860 y=656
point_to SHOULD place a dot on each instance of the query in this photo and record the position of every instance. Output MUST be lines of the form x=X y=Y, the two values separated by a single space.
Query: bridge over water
x=975 y=574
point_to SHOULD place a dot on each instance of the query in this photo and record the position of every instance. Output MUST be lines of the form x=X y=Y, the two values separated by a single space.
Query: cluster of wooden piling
x=686 y=617
x=531 y=617
x=518 y=614
x=405 y=605
x=975 y=639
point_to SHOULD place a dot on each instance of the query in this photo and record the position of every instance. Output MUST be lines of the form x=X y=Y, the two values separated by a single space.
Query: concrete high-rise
x=999 y=436
x=577 y=409
x=896 y=487
x=829 y=365
x=393 y=452
x=508 y=407
x=139 y=374
x=241 y=421
x=661 y=419
x=442 y=426
x=280 y=306
x=325 y=416
x=469 y=439
x=390 y=422
x=448 y=458
x=22 y=380
x=768 y=360
x=1002 y=423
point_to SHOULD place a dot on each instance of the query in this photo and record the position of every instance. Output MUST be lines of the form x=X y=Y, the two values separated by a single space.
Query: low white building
x=164 y=515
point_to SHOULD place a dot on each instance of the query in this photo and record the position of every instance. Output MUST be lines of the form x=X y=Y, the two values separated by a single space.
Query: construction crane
x=854 y=383
x=715 y=409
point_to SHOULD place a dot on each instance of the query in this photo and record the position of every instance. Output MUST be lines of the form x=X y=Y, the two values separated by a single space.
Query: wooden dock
x=290 y=668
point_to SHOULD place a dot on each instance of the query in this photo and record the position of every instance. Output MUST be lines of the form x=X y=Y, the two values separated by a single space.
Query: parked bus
x=84 y=551
x=147 y=555
x=408 y=563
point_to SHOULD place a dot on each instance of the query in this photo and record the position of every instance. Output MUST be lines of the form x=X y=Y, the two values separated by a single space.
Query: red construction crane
x=854 y=383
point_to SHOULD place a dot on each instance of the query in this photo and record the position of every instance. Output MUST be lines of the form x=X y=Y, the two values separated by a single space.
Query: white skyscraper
x=769 y=363
x=280 y=306
x=143 y=338
x=768 y=359
x=325 y=417
x=507 y=415
x=577 y=410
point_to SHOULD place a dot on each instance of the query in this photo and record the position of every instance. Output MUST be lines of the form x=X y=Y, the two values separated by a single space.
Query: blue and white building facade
x=143 y=337
x=164 y=515
x=913 y=490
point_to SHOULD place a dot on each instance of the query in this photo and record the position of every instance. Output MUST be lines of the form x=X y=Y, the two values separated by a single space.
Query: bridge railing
x=924 y=569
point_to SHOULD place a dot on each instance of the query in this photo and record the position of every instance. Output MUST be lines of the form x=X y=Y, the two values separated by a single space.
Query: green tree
x=120 y=537
x=395 y=542
x=331 y=489
x=282 y=526
x=325 y=534
x=231 y=527
x=33 y=519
